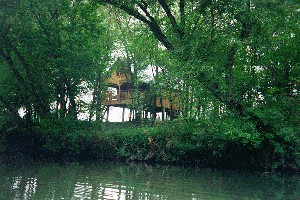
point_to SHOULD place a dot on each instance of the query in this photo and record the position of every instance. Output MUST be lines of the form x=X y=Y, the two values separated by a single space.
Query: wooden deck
x=122 y=93
x=123 y=98
x=120 y=99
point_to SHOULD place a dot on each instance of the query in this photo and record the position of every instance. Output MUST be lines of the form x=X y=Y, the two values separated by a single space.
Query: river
x=113 y=180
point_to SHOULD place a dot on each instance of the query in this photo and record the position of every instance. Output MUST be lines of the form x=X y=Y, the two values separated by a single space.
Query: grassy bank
x=223 y=143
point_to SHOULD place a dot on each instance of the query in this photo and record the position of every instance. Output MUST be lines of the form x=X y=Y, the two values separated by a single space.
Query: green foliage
x=129 y=144
x=228 y=143
x=64 y=136
x=243 y=55
x=224 y=143
x=234 y=65
x=67 y=139
x=49 y=52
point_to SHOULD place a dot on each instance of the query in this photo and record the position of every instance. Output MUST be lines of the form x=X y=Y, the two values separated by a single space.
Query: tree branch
x=128 y=10
x=234 y=105
x=245 y=20
x=171 y=17
x=155 y=28
x=12 y=67
x=182 y=14
x=31 y=87
x=228 y=75
x=152 y=23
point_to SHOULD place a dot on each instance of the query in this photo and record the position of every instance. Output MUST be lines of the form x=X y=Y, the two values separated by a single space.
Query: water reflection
x=110 y=180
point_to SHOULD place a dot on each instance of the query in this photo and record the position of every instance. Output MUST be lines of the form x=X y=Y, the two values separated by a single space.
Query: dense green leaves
x=229 y=62
x=241 y=52
x=50 y=51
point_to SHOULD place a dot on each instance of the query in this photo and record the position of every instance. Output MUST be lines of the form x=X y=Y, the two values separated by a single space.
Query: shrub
x=222 y=142
x=68 y=138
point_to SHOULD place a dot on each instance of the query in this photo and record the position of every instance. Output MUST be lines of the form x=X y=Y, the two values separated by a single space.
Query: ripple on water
x=141 y=182
x=82 y=190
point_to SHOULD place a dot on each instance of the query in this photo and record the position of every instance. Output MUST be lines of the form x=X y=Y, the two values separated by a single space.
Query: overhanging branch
x=182 y=14
x=171 y=17
x=151 y=22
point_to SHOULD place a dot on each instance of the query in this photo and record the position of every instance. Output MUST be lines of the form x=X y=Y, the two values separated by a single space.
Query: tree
x=134 y=46
x=49 y=52
x=225 y=46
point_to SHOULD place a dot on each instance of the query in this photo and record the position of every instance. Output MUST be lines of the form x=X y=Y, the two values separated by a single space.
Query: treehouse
x=120 y=89
x=122 y=93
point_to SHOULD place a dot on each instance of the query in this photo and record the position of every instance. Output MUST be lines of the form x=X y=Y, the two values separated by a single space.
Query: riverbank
x=222 y=145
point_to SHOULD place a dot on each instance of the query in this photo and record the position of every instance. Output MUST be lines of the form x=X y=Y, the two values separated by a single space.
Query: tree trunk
x=203 y=77
x=123 y=114
x=12 y=110
x=62 y=99
x=107 y=113
x=162 y=109
x=72 y=110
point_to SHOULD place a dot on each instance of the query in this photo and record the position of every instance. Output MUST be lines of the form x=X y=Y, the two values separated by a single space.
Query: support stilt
x=107 y=113
x=123 y=113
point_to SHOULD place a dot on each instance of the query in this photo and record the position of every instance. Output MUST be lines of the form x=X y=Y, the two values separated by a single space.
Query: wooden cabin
x=120 y=94
x=120 y=90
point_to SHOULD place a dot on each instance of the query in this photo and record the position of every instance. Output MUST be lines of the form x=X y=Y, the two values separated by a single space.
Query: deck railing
x=119 y=95
x=124 y=97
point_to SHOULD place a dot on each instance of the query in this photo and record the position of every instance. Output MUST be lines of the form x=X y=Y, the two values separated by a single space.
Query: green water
x=111 y=180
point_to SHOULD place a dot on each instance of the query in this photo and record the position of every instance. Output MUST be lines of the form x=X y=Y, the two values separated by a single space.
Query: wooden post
x=119 y=93
x=107 y=113
x=130 y=114
x=163 y=112
x=123 y=113
x=166 y=115
x=133 y=115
